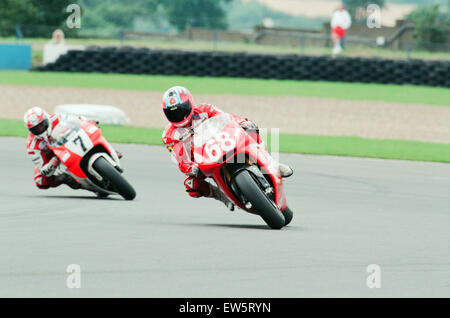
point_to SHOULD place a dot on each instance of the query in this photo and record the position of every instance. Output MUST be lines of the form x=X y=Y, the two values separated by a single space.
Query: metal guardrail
x=314 y=36
x=399 y=32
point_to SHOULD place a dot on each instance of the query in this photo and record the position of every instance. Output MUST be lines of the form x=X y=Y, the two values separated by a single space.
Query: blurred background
x=406 y=28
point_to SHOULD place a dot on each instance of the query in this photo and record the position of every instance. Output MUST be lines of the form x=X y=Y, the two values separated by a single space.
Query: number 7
x=81 y=143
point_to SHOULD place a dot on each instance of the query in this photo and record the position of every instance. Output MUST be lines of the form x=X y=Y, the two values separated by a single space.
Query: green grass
x=12 y=127
x=236 y=86
x=319 y=145
x=134 y=135
x=363 y=147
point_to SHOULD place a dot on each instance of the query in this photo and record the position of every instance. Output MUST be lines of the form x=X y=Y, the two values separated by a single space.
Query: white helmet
x=38 y=122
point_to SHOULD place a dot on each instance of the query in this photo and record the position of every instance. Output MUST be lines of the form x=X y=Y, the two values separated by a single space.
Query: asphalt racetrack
x=349 y=213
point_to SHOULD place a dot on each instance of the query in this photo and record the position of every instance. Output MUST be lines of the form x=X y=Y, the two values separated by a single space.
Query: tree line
x=38 y=18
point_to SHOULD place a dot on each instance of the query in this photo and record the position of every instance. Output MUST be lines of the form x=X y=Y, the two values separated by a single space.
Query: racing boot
x=285 y=170
x=217 y=194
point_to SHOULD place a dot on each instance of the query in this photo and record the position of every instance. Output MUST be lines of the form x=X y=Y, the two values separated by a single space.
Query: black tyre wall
x=217 y=64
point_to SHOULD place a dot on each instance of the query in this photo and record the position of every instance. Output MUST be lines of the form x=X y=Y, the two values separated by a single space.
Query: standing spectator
x=55 y=48
x=58 y=37
x=340 y=22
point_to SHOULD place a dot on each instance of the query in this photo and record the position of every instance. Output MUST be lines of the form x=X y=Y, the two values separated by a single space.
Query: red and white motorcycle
x=242 y=168
x=88 y=158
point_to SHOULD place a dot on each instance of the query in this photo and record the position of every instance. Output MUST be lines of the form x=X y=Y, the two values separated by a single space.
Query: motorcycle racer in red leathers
x=40 y=125
x=180 y=110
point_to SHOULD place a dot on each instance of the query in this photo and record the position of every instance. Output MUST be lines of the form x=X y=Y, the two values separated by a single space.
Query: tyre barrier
x=129 y=60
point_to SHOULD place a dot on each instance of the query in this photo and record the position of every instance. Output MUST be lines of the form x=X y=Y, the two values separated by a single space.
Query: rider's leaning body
x=40 y=125
x=179 y=108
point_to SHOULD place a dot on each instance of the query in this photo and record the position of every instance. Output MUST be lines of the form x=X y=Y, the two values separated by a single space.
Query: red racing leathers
x=37 y=149
x=41 y=155
x=174 y=138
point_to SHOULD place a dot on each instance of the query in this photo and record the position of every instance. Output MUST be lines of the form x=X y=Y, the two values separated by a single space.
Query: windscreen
x=62 y=133
x=209 y=128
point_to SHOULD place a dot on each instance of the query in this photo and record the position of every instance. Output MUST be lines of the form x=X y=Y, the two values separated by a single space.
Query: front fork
x=232 y=170
x=112 y=161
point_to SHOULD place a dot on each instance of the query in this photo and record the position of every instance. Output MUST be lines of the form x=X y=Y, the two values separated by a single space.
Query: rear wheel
x=107 y=171
x=259 y=200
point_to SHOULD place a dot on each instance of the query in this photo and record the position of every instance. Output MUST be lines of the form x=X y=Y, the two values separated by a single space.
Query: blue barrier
x=15 y=56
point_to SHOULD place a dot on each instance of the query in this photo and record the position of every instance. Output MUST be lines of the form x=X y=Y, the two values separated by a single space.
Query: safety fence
x=220 y=64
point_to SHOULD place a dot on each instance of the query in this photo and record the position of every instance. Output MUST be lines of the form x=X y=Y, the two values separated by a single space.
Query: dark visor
x=177 y=113
x=39 y=129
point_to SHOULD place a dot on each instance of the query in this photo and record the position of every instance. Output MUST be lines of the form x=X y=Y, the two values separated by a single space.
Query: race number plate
x=80 y=143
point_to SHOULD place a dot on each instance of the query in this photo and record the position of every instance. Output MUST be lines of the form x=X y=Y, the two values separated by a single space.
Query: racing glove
x=48 y=169
x=196 y=171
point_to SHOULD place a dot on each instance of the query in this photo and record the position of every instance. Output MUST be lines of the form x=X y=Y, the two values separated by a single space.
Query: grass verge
x=289 y=143
x=438 y=96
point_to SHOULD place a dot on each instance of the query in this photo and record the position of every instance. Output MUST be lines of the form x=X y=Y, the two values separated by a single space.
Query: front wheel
x=288 y=215
x=107 y=171
x=260 y=202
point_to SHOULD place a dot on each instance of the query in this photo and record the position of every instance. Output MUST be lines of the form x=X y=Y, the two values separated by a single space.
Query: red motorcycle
x=241 y=168
x=87 y=157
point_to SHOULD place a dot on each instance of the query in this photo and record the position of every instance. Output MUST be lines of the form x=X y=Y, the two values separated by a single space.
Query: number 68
x=220 y=142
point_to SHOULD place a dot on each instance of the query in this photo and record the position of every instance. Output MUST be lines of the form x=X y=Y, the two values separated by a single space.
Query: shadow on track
x=239 y=226
x=76 y=197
